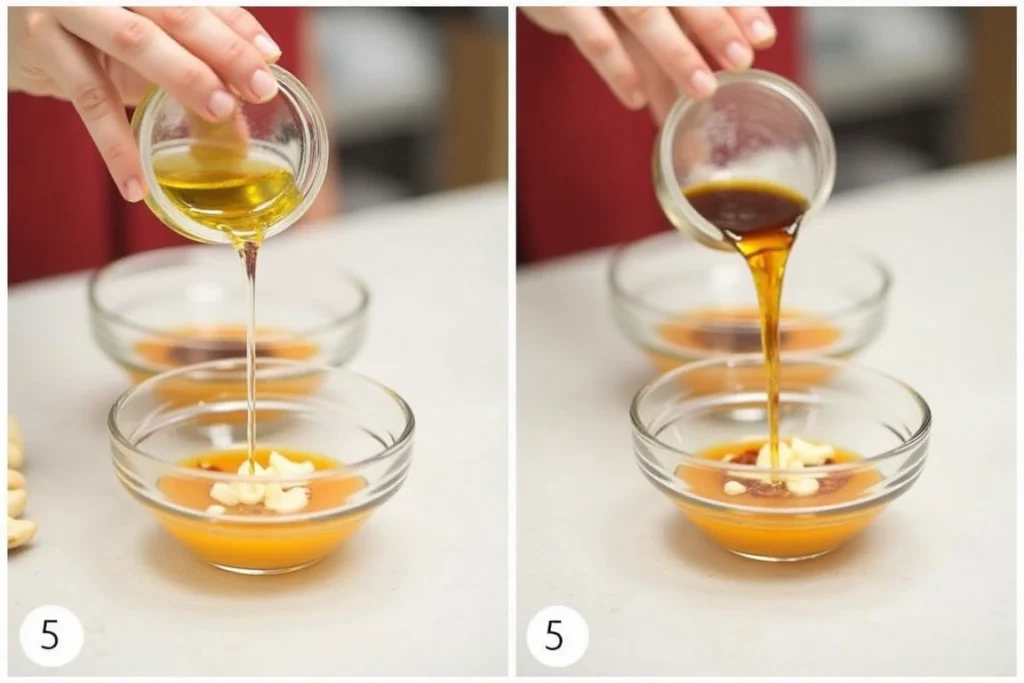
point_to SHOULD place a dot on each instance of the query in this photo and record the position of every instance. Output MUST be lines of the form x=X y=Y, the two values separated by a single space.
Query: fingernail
x=761 y=31
x=221 y=105
x=133 y=191
x=265 y=45
x=739 y=55
x=703 y=84
x=263 y=85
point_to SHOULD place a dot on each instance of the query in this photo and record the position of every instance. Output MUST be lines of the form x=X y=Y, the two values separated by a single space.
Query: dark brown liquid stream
x=761 y=221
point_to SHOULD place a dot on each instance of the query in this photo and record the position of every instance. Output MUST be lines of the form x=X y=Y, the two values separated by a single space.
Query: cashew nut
x=15 y=480
x=19 y=532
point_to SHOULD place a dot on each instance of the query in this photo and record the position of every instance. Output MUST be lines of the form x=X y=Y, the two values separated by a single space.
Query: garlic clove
x=16 y=501
x=19 y=532
x=250 y=494
x=734 y=488
x=15 y=455
x=812 y=454
x=289 y=501
x=224 y=494
x=802 y=486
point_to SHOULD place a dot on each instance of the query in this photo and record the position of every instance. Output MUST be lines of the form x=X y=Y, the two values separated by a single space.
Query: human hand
x=103 y=59
x=648 y=55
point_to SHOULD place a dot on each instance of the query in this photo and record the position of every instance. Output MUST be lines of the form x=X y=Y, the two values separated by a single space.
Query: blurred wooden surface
x=475 y=134
x=992 y=102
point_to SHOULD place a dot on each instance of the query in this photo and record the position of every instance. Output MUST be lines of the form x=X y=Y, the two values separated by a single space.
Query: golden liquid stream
x=760 y=220
x=225 y=189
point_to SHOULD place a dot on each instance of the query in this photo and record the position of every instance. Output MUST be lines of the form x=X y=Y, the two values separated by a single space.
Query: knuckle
x=597 y=44
x=116 y=151
x=636 y=14
x=234 y=50
x=132 y=36
x=91 y=101
x=234 y=16
x=180 y=18
x=188 y=77
x=36 y=22
x=720 y=27
x=682 y=54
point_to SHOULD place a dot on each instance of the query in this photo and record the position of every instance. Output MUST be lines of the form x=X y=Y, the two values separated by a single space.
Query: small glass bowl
x=680 y=302
x=757 y=126
x=684 y=413
x=159 y=310
x=363 y=426
x=288 y=132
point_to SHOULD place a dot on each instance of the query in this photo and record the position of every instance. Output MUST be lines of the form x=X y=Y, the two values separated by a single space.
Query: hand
x=647 y=55
x=103 y=59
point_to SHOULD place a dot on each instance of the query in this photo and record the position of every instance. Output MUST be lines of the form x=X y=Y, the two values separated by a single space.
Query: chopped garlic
x=224 y=494
x=216 y=510
x=283 y=498
x=734 y=488
x=764 y=456
x=250 y=494
x=288 y=501
x=812 y=454
x=802 y=486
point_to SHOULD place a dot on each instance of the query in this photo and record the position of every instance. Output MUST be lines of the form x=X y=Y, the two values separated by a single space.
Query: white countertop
x=422 y=589
x=929 y=589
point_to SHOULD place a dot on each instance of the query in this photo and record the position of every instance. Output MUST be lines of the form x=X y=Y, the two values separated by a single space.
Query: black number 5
x=556 y=634
x=46 y=624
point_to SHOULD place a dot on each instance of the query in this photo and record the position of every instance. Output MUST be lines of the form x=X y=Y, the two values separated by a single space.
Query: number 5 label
x=51 y=636
x=557 y=636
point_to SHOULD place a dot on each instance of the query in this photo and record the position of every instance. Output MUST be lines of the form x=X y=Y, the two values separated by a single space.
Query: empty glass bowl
x=159 y=310
x=680 y=302
x=683 y=414
x=170 y=454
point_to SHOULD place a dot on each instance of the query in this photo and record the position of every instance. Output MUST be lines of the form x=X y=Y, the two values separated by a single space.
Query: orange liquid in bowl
x=779 y=536
x=193 y=345
x=257 y=545
x=706 y=332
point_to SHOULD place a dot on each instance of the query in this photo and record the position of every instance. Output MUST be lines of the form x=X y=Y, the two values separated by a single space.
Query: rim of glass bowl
x=622 y=254
x=314 y=129
x=190 y=254
x=783 y=88
x=302 y=368
x=746 y=359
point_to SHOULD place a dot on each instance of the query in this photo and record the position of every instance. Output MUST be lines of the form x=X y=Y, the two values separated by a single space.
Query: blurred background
x=418 y=98
x=906 y=90
x=416 y=101
x=910 y=89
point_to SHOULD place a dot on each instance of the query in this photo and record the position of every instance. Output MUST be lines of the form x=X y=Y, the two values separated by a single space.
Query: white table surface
x=929 y=589
x=421 y=589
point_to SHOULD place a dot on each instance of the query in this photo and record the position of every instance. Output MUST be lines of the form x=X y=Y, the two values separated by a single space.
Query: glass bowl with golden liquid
x=691 y=439
x=247 y=178
x=353 y=434
x=680 y=302
x=165 y=309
